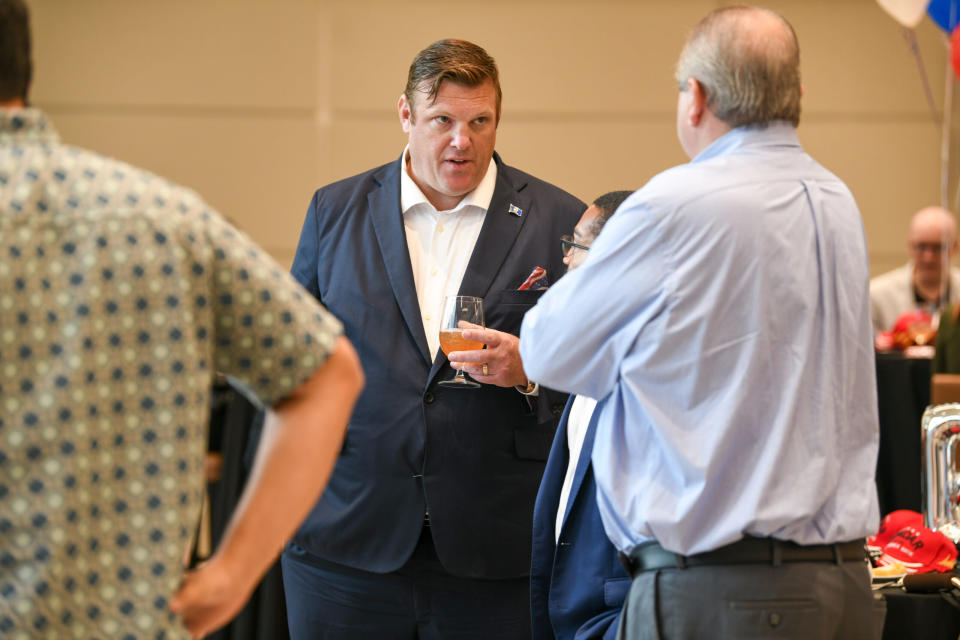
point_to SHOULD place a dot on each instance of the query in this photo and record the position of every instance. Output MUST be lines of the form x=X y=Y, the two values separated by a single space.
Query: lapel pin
x=515 y=210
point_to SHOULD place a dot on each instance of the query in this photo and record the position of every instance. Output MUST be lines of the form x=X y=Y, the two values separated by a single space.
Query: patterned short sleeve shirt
x=120 y=296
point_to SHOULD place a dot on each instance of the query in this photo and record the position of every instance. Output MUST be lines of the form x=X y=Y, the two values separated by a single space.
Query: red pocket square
x=536 y=276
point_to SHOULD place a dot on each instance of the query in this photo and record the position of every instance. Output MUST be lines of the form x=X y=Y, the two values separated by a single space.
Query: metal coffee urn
x=940 y=446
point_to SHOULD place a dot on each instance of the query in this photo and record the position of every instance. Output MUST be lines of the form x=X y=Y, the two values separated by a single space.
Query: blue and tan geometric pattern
x=120 y=296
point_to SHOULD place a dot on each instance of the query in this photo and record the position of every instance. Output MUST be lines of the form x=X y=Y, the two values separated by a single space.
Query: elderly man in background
x=723 y=319
x=919 y=284
x=120 y=296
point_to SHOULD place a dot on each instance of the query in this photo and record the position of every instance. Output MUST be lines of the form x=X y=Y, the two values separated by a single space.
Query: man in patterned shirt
x=120 y=295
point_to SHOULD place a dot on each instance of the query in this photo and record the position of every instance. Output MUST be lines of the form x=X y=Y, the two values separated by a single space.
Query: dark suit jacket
x=577 y=588
x=474 y=457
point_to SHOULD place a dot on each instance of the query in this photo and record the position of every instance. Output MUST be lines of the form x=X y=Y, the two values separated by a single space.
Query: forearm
x=298 y=449
x=553 y=343
x=576 y=336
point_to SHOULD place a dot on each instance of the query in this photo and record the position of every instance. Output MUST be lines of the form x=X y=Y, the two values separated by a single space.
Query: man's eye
x=442 y=119
x=481 y=120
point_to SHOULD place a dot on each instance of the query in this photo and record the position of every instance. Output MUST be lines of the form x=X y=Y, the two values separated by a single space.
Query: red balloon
x=955 y=50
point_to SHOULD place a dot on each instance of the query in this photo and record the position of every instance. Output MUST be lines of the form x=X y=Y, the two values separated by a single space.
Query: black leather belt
x=650 y=555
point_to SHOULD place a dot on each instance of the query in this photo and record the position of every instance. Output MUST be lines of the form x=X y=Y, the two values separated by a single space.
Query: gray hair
x=747 y=60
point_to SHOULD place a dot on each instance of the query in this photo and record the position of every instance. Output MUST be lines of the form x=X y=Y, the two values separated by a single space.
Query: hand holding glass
x=459 y=313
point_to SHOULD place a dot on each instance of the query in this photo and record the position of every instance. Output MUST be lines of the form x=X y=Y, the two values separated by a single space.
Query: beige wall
x=255 y=103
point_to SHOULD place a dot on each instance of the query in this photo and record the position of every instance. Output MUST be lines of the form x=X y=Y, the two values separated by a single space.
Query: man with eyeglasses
x=919 y=284
x=577 y=585
x=574 y=247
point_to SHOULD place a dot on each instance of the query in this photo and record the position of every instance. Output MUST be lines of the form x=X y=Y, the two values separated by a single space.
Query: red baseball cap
x=890 y=525
x=920 y=550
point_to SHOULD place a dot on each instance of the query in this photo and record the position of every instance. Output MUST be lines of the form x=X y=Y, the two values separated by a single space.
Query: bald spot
x=933 y=222
x=756 y=32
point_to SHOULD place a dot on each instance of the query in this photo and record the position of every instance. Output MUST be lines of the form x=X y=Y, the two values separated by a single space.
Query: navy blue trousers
x=330 y=601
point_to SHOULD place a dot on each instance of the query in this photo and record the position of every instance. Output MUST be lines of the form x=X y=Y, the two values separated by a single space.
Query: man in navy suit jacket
x=424 y=528
x=577 y=585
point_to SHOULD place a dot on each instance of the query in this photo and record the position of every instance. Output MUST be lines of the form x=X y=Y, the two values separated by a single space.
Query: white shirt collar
x=410 y=194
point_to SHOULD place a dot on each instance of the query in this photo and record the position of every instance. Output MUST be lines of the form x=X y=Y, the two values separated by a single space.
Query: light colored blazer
x=892 y=293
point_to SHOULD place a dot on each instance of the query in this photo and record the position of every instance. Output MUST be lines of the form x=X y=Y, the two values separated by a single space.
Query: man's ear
x=698 y=102
x=405 y=111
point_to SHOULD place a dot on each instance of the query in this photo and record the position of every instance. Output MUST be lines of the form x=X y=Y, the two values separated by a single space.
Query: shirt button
x=440 y=229
x=427 y=317
x=433 y=272
x=557 y=409
x=428 y=397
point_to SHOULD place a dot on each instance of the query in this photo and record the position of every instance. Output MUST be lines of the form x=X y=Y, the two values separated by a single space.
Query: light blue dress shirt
x=724 y=315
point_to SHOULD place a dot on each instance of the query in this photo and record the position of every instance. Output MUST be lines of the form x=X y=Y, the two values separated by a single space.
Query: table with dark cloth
x=903 y=390
x=921 y=616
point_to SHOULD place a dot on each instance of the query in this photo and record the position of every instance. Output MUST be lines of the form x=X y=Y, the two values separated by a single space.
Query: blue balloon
x=945 y=13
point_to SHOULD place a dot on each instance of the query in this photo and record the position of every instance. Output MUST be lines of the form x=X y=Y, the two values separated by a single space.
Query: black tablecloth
x=920 y=616
x=903 y=390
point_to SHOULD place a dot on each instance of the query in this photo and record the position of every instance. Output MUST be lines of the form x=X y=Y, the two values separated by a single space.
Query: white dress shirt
x=441 y=243
x=580 y=413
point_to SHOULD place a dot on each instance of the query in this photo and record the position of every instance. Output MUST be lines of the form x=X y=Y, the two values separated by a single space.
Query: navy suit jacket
x=473 y=457
x=577 y=588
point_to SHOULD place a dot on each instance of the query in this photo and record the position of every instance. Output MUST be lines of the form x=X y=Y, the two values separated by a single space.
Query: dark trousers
x=795 y=601
x=330 y=601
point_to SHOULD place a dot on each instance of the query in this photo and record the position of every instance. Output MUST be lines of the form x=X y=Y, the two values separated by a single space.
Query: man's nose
x=461 y=137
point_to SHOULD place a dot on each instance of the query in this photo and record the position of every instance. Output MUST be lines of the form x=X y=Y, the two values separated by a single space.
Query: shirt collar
x=26 y=123
x=774 y=133
x=410 y=194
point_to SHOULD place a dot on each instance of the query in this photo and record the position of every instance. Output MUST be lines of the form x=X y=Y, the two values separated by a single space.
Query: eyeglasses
x=933 y=247
x=567 y=245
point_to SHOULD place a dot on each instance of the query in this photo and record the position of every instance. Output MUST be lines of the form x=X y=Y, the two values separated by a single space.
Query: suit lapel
x=497 y=235
x=583 y=463
x=555 y=470
x=384 y=207
x=548 y=499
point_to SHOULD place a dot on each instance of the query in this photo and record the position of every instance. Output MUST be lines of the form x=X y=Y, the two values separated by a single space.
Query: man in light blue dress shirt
x=724 y=318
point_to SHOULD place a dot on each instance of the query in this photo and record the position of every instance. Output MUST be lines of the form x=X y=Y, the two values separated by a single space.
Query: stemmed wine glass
x=459 y=313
